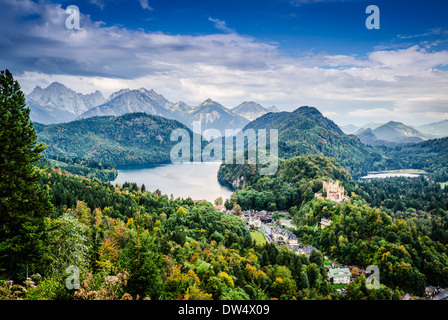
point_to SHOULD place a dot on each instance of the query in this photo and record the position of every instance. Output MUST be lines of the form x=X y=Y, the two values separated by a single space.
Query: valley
x=223 y=158
x=107 y=178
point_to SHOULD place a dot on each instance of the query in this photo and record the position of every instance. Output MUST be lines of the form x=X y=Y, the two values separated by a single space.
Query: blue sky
x=336 y=27
x=286 y=53
x=328 y=25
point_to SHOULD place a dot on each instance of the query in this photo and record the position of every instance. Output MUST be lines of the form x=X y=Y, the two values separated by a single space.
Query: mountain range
x=252 y=110
x=213 y=115
x=438 y=129
x=139 y=138
x=391 y=133
x=57 y=103
x=396 y=133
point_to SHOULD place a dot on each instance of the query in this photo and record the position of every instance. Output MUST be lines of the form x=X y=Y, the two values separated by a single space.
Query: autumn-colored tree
x=195 y=293
x=108 y=255
x=219 y=201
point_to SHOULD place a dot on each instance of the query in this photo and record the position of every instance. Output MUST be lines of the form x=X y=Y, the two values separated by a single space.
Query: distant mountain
x=307 y=131
x=371 y=125
x=398 y=132
x=368 y=137
x=213 y=115
x=57 y=103
x=438 y=129
x=391 y=133
x=131 y=101
x=349 y=128
x=252 y=110
x=182 y=108
x=272 y=109
x=136 y=138
x=210 y=113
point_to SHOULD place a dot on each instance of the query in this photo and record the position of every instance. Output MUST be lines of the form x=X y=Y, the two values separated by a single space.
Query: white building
x=339 y=275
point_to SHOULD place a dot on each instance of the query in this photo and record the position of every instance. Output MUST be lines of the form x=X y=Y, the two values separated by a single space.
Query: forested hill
x=296 y=181
x=136 y=138
x=307 y=131
x=430 y=155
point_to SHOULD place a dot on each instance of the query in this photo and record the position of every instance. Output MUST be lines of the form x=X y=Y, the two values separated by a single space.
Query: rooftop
x=339 y=272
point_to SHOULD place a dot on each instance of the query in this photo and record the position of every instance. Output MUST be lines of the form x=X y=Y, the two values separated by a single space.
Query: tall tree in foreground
x=23 y=203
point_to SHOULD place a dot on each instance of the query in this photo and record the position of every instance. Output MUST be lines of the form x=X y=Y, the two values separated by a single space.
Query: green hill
x=136 y=138
x=307 y=131
x=296 y=181
x=430 y=155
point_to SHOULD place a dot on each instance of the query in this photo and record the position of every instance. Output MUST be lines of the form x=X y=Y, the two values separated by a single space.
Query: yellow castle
x=334 y=191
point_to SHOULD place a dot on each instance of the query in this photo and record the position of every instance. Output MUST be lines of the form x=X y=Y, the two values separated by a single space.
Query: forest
x=398 y=224
x=68 y=234
x=134 y=138
x=134 y=244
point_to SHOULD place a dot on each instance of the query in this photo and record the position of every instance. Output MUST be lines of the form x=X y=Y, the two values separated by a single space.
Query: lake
x=195 y=180
x=390 y=175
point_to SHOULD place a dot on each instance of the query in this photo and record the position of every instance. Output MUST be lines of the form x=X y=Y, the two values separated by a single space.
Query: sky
x=287 y=53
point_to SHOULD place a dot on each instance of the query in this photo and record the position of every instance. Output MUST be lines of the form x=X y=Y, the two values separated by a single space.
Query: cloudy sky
x=286 y=53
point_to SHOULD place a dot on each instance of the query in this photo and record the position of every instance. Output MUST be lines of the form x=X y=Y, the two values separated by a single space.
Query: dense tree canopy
x=128 y=243
x=23 y=203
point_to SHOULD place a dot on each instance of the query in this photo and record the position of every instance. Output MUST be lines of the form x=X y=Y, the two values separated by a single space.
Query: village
x=279 y=231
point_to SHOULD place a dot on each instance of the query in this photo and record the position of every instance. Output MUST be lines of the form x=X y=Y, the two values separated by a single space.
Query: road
x=287 y=223
x=267 y=232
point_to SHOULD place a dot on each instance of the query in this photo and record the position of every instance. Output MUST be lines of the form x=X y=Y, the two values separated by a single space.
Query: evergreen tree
x=23 y=203
x=145 y=263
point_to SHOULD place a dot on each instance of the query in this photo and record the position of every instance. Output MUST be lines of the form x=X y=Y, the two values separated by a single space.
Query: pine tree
x=23 y=203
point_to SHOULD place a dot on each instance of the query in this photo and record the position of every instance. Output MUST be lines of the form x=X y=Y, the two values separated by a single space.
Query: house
x=254 y=222
x=441 y=295
x=308 y=249
x=431 y=290
x=284 y=236
x=325 y=222
x=203 y=200
x=339 y=275
x=278 y=234
x=294 y=247
x=266 y=219
x=292 y=239
x=220 y=208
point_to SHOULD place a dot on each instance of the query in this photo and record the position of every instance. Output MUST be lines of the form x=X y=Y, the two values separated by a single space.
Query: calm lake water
x=389 y=175
x=196 y=180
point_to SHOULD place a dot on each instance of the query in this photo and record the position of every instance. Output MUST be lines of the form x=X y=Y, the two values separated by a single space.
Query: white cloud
x=227 y=67
x=297 y=3
x=145 y=5
x=430 y=32
x=221 y=25
x=102 y=3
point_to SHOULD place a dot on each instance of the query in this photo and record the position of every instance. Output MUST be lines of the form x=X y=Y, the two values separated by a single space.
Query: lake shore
x=408 y=173
x=197 y=180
